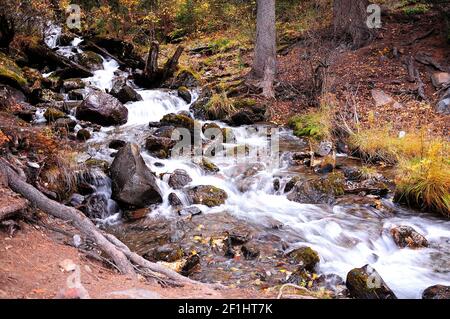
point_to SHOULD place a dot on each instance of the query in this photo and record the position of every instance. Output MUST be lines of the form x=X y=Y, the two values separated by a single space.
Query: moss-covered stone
x=309 y=125
x=185 y=94
x=209 y=166
x=47 y=96
x=178 y=120
x=52 y=114
x=306 y=257
x=97 y=163
x=208 y=195
x=366 y=283
x=91 y=60
x=11 y=73
x=240 y=103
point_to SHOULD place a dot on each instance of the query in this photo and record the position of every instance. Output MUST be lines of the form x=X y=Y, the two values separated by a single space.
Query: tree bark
x=350 y=17
x=265 y=48
x=7 y=31
x=151 y=65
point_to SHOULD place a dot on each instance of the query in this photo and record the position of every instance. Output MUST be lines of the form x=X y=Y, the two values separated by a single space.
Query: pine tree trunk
x=265 y=48
x=350 y=17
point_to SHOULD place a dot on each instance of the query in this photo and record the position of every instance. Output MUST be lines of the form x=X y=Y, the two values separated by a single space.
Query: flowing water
x=345 y=236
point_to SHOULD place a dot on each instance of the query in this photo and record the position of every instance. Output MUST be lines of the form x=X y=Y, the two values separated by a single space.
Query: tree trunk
x=265 y=48
x=7 y=31
x=350 y=17
x=151 y=65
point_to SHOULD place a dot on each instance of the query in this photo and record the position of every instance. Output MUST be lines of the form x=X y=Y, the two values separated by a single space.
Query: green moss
x=209 y=166
x=240 y=103
x=178 y=120
x=306 y=257
x=219 y=107
x=314 y=125
x=419 y=8
x=331 y=184
x=97 y=163
x=11 y=72
x=189 y=71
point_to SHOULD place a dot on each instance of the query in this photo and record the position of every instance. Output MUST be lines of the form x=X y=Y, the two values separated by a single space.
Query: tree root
x=124 y=259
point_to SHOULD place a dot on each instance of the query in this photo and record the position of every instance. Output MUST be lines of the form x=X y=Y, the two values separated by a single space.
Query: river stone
x=159 y=146
x=83 y=134
x=133 y=182
x=207 y=195
x=51 y=114
x=209 y=166
x=66 y=122
x=250 y=251
x=124 y=92
x=439 y=79
x=174 y=200
x=103 y=109
x=184 y=94
x=248 y=116
x=366 y=283
x=73 y=84
x=116 y=144
x=406 y=236
x=306 y=257
x=137 y=214
x=168 y=253
x=178 y=120
x=95 y=206
x=443 y=106
x=179 y=178
x=436 y=292
x=325 y=148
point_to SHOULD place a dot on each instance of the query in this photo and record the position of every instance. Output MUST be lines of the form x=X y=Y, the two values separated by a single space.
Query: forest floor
x=32 y=266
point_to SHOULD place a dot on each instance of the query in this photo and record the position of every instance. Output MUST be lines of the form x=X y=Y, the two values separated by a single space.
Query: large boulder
x=133 y=182
x=11 y=74
x=103 y=109
x=322 y=190
x=248 y=115
x=207 y=195
x=90 y=60
x=366 y=283
x=124 y=92
x=436 y=292
x=406 y=236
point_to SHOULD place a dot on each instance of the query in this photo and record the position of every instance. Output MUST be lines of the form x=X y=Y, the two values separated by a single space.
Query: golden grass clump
x=219 y=106
x=424 y=182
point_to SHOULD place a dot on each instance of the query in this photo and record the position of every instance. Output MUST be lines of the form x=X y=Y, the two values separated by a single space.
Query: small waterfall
x=51 y=35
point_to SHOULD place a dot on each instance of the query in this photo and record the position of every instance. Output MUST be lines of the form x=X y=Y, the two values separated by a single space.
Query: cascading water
x=345 y=237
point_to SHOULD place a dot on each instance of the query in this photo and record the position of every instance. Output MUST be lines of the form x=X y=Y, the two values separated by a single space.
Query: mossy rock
x=167 y=253
x=47 y=96
x=209 y=166
x=52 y=114
x=228 y=135
x=187 y=78
x=208 y=195
x=91 y=60
x=185 y=94
x=331 y=184
x=366 y=283
x=306 y=257
x=178 y=120
x=11 y=73
x=241 y=103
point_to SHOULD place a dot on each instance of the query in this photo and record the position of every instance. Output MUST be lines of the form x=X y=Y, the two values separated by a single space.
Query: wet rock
x=73 y=84
x=190 y=211
x=239 y=236
x=26 y=112
x=250 y=251
x=178 y=120
x=324 y=148
x=185 y=78
x=443 y=106
x=352 y=173
x=192 y=263
x=179 y=178
x=124 y=92
x=228 y=250
x=66 y=123
x=11 y=74
x=184 y=93
x=137 y=214
x=248 y=116
x=406 y=236
x=90 y=60
x=439 y=79
x=174 y=200
x=159 y=146
x=207 y=195
x=83 y=134
x=133 y=183
x=76 y=200
x=48 y=96
x=117 y=144
x=78 y=94
x=211 y=125
x=366 y=283
x=51 y=114
x=198 y=107
x=95 y=206
x=209 y=166
x=103 y=109
x=276 y=184
x=168 y=253
x=291 y=183
x=436 y=292
x=306 y=257
x=322 y=190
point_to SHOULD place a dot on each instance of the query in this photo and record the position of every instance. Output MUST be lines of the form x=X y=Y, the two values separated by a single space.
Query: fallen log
x=121 y=255
x=94 y=47
x=43 y=55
